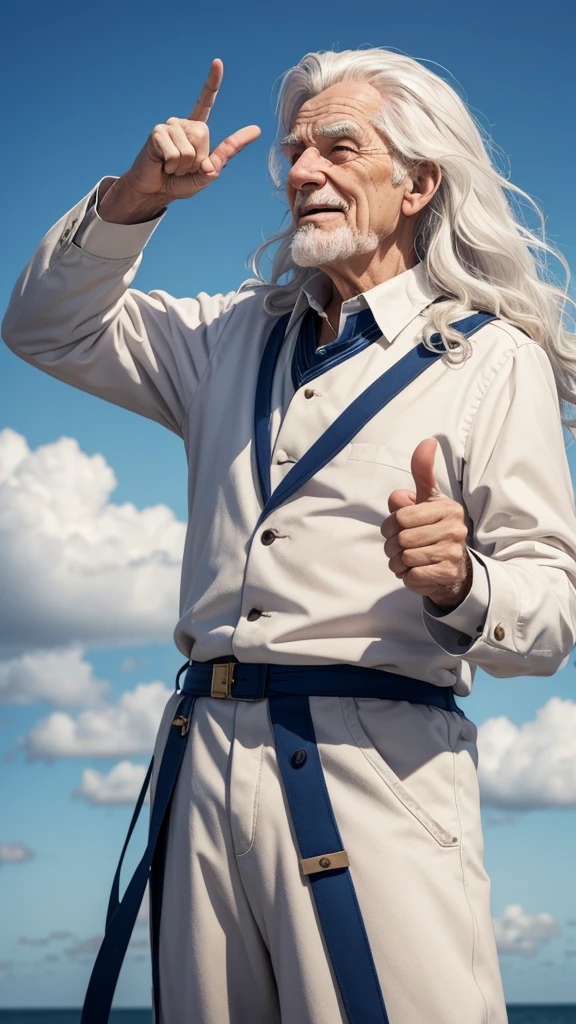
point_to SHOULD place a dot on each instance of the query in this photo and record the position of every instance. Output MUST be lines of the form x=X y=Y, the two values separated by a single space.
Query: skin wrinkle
x=338 y=130
x=361 y=174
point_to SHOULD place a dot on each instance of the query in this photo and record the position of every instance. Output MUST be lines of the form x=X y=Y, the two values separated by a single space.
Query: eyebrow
x=330 y=131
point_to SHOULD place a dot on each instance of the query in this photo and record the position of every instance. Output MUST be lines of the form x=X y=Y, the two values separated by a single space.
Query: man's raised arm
x=72 y=312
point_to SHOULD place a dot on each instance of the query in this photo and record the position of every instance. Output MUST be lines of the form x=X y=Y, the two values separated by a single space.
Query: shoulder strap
x=347 y=425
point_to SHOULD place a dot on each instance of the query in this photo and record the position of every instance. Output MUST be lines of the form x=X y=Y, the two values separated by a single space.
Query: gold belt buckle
x=222 y=679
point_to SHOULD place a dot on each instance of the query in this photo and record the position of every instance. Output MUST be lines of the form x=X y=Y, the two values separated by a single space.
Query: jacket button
x=268 y=537
x=309 y=393
x=499 y=632
x=299 y=757
x=253 y=614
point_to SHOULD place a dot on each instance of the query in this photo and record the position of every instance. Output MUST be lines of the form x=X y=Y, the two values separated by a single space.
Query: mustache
x=321 y=197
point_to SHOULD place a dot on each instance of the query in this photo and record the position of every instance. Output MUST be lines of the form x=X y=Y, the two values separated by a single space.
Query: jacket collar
x=394 y=303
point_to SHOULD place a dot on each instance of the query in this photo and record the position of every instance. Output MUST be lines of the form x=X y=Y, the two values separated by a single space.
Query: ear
x=421 y=184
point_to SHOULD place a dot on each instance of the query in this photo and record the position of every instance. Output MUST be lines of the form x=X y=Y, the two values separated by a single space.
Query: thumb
x=422 y=467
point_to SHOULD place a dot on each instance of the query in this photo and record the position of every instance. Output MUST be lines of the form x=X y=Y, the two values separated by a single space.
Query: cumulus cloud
x=523 y=934
x=495 y=820
x=120 y=787
x=76 y=568
x=118 y=730
x=531 y=765
x=61 y=677
x=15 y=853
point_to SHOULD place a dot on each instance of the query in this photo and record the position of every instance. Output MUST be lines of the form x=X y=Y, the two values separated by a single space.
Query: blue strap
x=317 y=833
x=122 y=914
x=345 y=426
x=114 y=901
x=263 y=402
x=255 y=680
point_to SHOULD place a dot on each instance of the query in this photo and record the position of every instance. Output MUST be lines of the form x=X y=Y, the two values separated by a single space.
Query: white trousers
x=240 y=941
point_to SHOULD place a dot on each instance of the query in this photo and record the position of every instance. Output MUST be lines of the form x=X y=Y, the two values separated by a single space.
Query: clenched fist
x=426 y=536
x=176 y=161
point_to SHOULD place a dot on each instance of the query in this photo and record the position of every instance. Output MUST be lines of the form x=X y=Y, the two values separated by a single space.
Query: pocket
x=361 y=451
x=411 y=747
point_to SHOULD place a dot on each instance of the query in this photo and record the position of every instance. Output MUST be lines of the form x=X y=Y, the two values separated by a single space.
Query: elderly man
x=379 y=503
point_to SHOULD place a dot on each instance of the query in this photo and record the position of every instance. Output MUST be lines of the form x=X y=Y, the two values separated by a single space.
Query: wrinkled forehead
x=346 y=108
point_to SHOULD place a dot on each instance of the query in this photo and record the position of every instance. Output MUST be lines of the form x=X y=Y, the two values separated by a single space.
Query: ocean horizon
x=518 y=1013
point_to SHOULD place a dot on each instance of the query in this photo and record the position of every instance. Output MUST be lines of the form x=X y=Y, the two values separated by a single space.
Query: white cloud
x=119 y=730
x=120 y=787
x=138 y=947
x=76 y=568
x=532 y=765
x=523 y=934
x=15 y=853
x=61 y=677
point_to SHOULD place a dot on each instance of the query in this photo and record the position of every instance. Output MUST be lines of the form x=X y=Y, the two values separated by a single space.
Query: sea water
x=533 y=1014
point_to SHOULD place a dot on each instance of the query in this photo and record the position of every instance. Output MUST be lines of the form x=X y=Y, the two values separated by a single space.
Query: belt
x=229 y=679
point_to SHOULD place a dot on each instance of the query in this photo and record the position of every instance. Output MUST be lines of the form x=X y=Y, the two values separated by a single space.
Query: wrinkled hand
x=176 y=161
x=426 y=536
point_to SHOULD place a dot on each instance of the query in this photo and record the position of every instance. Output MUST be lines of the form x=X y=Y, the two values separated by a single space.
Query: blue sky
x=86 y=86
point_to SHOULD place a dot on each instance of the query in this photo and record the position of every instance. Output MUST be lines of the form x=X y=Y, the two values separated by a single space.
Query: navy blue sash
x=345 y=426
x=308 y=798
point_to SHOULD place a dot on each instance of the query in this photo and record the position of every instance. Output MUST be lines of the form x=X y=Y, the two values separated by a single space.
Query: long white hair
x=472 y=236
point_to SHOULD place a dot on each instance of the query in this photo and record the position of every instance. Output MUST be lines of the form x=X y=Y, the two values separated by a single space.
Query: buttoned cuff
x=457 y=630
x=112 y=241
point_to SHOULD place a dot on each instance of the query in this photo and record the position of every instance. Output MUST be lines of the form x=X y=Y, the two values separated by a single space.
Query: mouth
x=320 y=212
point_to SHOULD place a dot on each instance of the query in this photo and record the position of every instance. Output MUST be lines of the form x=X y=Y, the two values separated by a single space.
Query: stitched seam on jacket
x=65 y=249
x=49 y=270
x=483 y=388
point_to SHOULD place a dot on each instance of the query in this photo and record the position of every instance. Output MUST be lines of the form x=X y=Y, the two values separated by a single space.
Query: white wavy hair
x=471 y=236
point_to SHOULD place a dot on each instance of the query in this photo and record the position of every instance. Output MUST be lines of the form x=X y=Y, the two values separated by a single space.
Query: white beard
x=313 y=247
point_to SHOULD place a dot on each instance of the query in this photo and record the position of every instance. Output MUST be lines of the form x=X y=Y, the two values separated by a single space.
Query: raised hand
x=176 y=161
x=426 y=536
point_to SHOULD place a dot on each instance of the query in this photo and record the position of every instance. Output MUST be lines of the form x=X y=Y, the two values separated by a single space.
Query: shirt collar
x=394 y=303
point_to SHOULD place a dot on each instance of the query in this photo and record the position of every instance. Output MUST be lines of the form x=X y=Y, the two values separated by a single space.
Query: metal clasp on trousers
x=184 y=723
x=312 y=865
x=222 y=679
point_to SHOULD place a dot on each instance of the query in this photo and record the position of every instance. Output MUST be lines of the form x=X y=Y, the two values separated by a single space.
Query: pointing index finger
x=207 y=97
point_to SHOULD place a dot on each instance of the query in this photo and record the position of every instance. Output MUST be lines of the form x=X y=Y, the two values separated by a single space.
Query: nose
x=307 y=171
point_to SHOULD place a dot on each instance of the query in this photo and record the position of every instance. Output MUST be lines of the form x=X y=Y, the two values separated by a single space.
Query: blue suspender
x=314 y=823
x=122 y=914
x=318 y=835
x=345 y=426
